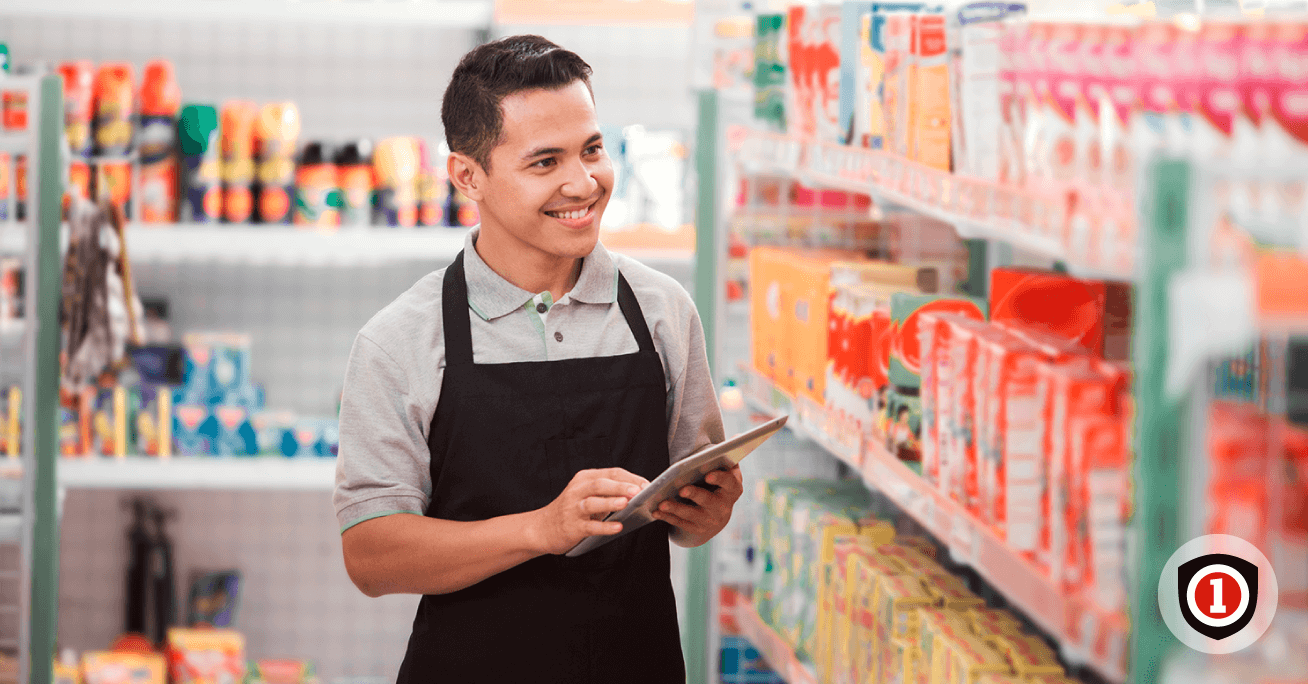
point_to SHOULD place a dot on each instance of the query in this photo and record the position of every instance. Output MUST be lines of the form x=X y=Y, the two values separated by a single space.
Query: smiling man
x=499 y=409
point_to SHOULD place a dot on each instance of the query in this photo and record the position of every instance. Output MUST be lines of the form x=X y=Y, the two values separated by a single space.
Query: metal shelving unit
x=232 y=474
x=35 y=240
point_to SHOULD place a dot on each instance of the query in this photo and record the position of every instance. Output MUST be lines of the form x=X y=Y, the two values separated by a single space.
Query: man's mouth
x=571 y=214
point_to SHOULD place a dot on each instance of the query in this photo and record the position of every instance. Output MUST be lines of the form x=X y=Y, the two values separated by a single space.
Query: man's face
x=550 y=177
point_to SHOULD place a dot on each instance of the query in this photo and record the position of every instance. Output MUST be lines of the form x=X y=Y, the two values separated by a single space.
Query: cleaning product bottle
x=355 y=178
x=431 y=199
x=317 y=198
x=237 y=167
x=275 y=133
x=78 y=79
x=113 y=108
x=197 y=133
x=396 y=165
x=157 y=144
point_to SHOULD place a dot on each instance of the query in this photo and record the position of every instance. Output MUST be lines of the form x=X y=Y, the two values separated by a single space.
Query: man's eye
x=594 y=149
x=544 y=163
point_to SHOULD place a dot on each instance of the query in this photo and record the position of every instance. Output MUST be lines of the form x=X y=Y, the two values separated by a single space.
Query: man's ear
x=466 y=175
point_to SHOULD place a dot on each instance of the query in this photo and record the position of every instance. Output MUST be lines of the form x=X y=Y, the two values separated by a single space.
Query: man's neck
x=526 y=267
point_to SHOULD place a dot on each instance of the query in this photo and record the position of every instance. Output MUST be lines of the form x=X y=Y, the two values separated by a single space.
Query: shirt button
x=541 y=308
x=558 y=337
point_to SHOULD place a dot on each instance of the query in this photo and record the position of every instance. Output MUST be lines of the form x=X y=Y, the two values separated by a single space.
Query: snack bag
x=273 y=671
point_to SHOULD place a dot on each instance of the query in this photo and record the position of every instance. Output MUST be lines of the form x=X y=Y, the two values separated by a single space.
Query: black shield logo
x=1186 y=572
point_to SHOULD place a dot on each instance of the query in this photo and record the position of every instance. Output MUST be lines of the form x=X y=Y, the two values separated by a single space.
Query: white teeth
x=580 y=213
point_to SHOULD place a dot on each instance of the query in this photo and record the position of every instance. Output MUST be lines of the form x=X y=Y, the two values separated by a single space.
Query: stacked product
x=1027 y=423
x=240 y=163
x=837 y=330
x=190 y=656
x=880 y=609
x=216 y=410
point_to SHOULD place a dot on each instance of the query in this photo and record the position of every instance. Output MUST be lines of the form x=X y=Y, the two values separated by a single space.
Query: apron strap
x=458 y=330
x=454 y=315
x=635 y=317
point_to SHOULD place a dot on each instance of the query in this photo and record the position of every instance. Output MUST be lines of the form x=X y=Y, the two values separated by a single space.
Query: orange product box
x=1011 y=449
x=804 y=321
x=109 y=667
x=767 y=282
x=1101 y=459
x=1071 y=389
x=1028 y=655
x=205 y=656
x=929 y=90
x=858 y=352
x=1055 y=303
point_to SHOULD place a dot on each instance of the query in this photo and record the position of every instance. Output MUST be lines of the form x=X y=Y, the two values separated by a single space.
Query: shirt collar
x=491 y=296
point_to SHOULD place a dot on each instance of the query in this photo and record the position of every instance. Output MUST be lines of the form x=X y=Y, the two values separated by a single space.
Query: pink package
x=1012 y=60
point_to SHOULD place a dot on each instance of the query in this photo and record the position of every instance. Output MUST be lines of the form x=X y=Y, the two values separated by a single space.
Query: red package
x=957 y=412
x=1011 y=448
x=1052 y=302
x=933 y=338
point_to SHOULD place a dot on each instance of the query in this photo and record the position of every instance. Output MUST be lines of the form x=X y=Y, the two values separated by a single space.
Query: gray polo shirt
x=393 y=379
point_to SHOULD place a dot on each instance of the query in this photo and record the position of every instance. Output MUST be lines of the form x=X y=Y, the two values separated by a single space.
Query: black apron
x=507 y=438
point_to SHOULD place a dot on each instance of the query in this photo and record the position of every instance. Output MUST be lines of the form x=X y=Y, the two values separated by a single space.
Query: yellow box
x=987 y=622
x=967 y=658
x=898 y=598
x=950 y=592
x=106 y=667
x=1028 y=655
x=852 y=624
x=874 y=532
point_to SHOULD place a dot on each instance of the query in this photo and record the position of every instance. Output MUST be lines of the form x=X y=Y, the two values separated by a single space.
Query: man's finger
x=602 y=504
x=607 y=487
x=596 y=528
x=682 y=510
x=697 y=494
x=622 y=475
x=676 y=521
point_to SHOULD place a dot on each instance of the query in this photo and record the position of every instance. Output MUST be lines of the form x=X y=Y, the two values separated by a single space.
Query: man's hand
x=712 y=510
x=578 y=512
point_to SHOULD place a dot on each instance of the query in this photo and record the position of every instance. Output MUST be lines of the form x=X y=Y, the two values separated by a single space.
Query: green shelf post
x=1160 y=419
x=43 y=459
x=695 y=633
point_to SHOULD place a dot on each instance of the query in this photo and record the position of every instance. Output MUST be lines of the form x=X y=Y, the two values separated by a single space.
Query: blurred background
x=1026 y=277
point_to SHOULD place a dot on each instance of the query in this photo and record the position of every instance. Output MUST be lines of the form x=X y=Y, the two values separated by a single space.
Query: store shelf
x=14 y=142
x=13 y=239
x=442 y=13
x=976 y=208
x=778 y=654
x=139 y=472
x=1086 y=638
x=288 y=246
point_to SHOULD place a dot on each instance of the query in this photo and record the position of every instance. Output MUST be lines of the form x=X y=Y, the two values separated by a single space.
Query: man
x=499 y=409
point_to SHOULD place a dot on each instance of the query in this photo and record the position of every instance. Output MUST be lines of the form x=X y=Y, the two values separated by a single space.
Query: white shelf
x=778 y=654
x=288 y=246
x=469 y=14
x=15 y=142
x=13 y=237
x=976 y=208
x=1085 y=636
x=253 y=473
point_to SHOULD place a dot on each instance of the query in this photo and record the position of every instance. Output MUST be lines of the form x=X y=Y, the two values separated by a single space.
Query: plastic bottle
x=157 y=144
x=78 y=79
x=113 y=108
x=6 y=170
x=20 y=187
x=355 y=179
x=275 y=132
x=396 y=165
x=237 y=169
x=317 y=198
x=197 y=135
x=431 y=195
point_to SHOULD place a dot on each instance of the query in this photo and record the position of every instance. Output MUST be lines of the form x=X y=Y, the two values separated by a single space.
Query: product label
x=202 y=195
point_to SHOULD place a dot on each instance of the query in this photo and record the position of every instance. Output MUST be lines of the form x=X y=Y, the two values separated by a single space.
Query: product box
x=896 y=98
x=741 y=663
x=217 y=364
x=1101 y=507
x=1070 y=390
x=898 y=598
x=1058 y=304
x=111 y=422
x=153 y=425
x=856 y=378
x=949 y=592
x=989 y=622
x=813 y=43
x=977 y=117
x=903 y=424
x=1027 y=655
x=104 y=667
x=959 y=415
x=11 y=421
x=205 y=656
x=854 y=596
x=937 y=628
x=769 y=290
x=929 y=92
x=274 y=433
x=192 y=430
x=274 y=671
x=67 y=673
x=770 y=77
x=967 y=658
x=905 y=314
x=233 y=434
x=1011 y=451
x=855 y=20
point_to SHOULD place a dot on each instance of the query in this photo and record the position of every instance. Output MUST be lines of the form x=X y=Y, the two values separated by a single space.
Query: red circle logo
x=1218 y=595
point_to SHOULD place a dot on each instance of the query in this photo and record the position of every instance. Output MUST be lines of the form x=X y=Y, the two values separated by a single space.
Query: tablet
x=689 y=470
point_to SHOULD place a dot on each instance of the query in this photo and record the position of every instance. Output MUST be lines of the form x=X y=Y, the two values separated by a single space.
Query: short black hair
x=471 y=111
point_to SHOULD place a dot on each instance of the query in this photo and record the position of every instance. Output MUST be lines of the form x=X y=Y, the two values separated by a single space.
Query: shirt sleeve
x=694 y=417
x=383 y=465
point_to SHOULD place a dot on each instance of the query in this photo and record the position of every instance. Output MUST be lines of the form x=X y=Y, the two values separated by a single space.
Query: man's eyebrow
x=547 y=151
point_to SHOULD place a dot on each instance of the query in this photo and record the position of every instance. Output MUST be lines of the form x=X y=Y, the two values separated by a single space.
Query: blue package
x=271 y=429
x=741 y=663
x=217 y=364
x=981 y=12
x=234 y=436
x=192 y=430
